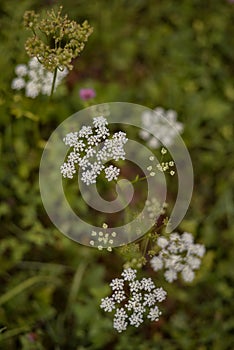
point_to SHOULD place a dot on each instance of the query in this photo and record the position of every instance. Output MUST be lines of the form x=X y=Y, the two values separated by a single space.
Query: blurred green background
x=174 y=54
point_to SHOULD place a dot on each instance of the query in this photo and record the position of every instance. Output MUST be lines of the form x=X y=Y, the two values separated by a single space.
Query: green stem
x=77 y=280
x=75 y=286
x=140 y=179
x=54 y=80
x=146 y=245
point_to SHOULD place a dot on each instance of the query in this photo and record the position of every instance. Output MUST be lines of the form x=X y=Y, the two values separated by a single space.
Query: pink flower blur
x=87 y=94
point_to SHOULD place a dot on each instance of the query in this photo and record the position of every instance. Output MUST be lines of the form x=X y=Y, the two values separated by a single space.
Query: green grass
x=174 y=54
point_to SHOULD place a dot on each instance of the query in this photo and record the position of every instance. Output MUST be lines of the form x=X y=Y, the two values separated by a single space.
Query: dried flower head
x=56 y=39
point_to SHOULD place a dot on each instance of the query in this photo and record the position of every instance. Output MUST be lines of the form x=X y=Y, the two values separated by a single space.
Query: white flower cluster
x=154 y=208
x=163 y=166
x=130 y=310
x=162 y=131
x=103 y=239
x=91 y=148
x=178 y=254
x=35 y=79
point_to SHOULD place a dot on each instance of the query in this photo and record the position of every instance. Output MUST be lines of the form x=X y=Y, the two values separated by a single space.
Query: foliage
x=178 y=55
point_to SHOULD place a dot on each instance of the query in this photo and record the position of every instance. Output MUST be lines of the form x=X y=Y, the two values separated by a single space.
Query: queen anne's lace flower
x=35 y=79
x=134 y=286
x=91 y=149
x=112 y=173
x=129 y=274
x=154 y=314
x=118 y=296
x=18 y=83
x=107 y=304
x=132 y=300
x=21 y=70
x=120 y=323
x=178 y=254
x=156 y=263
x=147 y=284
x=164 y=167
x=103 y=239
x=117 y=284
x=154 y=208
x=157 y=122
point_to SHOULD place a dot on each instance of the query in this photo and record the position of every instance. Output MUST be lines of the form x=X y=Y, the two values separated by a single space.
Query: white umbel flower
x=178 y=254
x=32 y=89
x=156 y=263
x=154 y=314
x=163 y=126
x=21 y=70
x=117 y=284
x=35 y=78
x=18 y=83
x=132 y=309
x=136 y=319
x=112 y=173
x=187 y=274
x=119 y=322
x=162 y=242
x=107 y=304
x=129 y=274
x=91 y=149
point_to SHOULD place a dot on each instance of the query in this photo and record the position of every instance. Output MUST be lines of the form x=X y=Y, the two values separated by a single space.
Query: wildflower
x=35 y=79
x=134 y=286
x=87 y=94
x=154 y=208
x=117 y=284
x=154 y=314
x=21 y=70
x=163 y=125
x=132 y=309
x=156 y=263
x=92 y=143
x=112 y=173
x=103 y=239
x=162 y=242
x=18 y=83
x=107 y=304
x=163 y=166
x=147 y=284
x=119 y=322
x=129 y=274
x=178 y=254
x=56 y=40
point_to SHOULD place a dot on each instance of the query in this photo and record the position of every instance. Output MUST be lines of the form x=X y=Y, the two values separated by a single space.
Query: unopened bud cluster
x=56 y=39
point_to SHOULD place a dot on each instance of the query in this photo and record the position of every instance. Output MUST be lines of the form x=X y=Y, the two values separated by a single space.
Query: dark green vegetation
x=174 y=54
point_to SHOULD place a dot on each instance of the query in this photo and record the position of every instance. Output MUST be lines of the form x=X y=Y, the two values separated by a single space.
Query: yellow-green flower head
x=56 y=40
